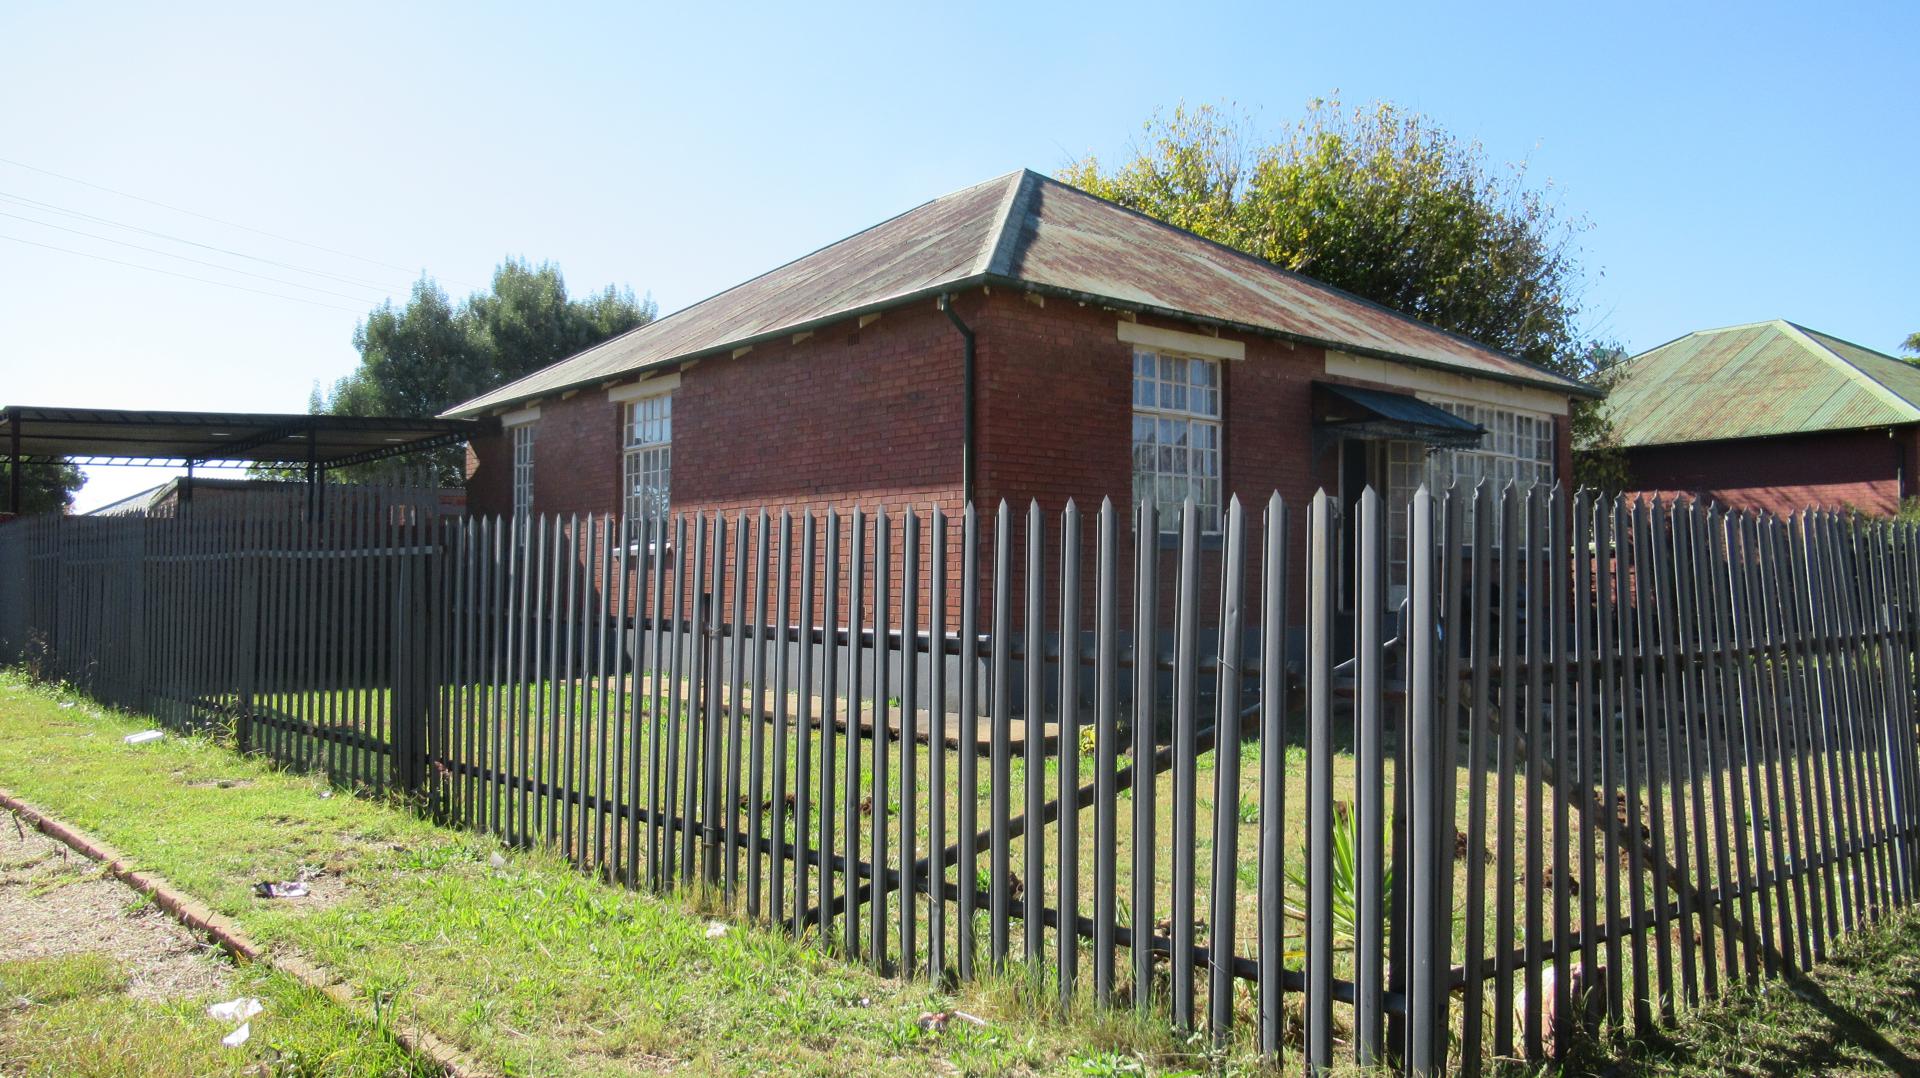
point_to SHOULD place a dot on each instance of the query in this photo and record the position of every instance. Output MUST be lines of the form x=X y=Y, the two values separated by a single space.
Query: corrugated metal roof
x=1030 y=231
x=1759 y=380
x=1401 y=408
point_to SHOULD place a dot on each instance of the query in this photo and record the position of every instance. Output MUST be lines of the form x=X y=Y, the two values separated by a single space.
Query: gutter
x=968 y=395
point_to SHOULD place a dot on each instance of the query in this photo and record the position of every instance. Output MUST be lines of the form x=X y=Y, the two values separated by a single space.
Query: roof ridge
x=996 y=255
x=495 y=391
x=1314 y=282
x=1825 y=336
x=1741 y=325
x=1853 y=370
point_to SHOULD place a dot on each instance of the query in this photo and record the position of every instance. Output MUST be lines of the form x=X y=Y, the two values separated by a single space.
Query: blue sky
x=1735 y=163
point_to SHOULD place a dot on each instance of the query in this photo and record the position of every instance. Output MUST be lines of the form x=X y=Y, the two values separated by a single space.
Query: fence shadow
x=1366 y=786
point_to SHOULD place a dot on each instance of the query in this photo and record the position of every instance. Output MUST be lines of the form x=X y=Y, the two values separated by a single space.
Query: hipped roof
x=1032 y=232
x=1761 y=379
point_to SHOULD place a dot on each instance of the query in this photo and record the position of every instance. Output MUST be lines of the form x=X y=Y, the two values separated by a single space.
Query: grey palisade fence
x=1556 y=763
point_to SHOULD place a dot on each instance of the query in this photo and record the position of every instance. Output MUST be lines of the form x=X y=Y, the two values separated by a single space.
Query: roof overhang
x=36 y=435
x=1547 y=381
x=1345 y=411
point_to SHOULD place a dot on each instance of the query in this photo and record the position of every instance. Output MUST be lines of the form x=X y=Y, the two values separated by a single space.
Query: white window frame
x=1178 y=435
x=646 y=456
x=1520 y=446
x=522 y=440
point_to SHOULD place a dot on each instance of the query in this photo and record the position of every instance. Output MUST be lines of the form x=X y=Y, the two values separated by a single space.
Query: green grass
x=518 y=740
x=71 y=1017
x=532 y=968
x=1859 y=1014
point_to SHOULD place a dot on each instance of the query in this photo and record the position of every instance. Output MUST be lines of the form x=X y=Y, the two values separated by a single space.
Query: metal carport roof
x=99 y=436
x=171 y=439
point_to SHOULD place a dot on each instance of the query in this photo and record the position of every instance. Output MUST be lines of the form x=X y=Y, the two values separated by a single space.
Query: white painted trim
x=1457 y=386
x=1173 y=340
x=646 y=387
x=520 y=418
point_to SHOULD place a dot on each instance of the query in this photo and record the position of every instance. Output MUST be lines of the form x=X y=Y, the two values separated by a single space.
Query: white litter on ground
x=239 y=1036
x=235 y=1010
x=143 y=737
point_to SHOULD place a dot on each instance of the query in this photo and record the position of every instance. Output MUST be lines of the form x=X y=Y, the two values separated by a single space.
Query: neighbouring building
x=1016 y=339
x=236 y=495
x=1771 y=416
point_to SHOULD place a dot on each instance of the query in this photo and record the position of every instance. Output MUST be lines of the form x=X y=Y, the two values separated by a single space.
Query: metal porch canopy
x=100 y=436
x=1352 y=412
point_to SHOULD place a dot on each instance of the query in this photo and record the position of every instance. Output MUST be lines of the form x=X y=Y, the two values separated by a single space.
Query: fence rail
x=1591 y=761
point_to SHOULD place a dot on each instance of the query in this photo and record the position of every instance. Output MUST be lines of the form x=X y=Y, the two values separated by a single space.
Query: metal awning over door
x=1342 y=411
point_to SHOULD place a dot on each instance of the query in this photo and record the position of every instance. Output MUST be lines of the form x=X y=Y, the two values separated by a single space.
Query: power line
x=210 y=217
x=35 y=203
x=172 y=273
x=186 y=258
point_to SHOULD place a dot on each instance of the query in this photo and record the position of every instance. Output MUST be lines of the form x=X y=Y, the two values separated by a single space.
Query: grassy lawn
x=1860 y=1015
x=72 y=1017
x=599 y=752
x=530 y=966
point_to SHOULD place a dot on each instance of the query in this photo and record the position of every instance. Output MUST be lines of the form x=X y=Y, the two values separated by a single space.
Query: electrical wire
x=186 y=276
x=189 y=258
x=210 y=217
x=35 y=203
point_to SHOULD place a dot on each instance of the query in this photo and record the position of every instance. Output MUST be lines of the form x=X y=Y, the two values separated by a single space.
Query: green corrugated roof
x=1758 y=380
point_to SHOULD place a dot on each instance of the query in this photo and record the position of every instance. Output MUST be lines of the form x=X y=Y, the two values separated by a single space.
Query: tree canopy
x=44 y=488
x=425 y=357
x=1384 y=203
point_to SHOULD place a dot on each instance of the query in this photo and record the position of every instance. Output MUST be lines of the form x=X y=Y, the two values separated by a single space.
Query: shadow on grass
x=1859 y=1013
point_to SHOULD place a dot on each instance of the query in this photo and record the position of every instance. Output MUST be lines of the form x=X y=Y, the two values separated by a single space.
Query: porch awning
x=1352 y=412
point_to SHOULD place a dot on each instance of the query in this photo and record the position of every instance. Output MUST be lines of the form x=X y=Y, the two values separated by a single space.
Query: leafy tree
x=1382 y=202
x=420 y=359
x=44 y=488
x=1911 y=346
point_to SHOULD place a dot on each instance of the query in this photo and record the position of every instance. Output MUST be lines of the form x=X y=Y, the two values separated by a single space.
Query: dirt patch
x=55 y=902
x=220 y=784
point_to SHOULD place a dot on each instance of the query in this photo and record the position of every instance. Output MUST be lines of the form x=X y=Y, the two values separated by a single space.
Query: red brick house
x=1016 y=339
x=1771 y=416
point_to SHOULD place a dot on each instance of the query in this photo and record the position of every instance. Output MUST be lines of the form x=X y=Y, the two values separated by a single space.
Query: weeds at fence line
x=1423 y=790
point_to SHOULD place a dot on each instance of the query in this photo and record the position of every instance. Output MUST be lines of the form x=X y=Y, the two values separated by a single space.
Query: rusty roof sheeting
x=1759 y=380
x=1031 y=231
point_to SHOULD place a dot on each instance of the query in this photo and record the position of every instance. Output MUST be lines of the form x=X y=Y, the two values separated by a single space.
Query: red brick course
x=1868 y=470
x=873 y=417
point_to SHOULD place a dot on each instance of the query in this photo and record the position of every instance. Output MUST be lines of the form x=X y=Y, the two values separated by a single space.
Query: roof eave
x=962 y=284
x=977 y=280
x=1568 y=387
x=1773 y=436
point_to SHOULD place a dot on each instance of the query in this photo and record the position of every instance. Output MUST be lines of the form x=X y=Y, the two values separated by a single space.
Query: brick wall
x=1868 y=470
x=873 y=417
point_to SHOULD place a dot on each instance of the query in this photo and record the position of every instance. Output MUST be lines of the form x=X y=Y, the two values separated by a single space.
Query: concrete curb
x=229 y=936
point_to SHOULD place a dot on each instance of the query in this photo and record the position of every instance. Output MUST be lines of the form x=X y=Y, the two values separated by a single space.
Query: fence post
x=249 y=648
x=410 y=673
x=1431 y=851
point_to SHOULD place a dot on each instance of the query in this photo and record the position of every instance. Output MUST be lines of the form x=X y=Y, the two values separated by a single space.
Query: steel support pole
x=13 y=461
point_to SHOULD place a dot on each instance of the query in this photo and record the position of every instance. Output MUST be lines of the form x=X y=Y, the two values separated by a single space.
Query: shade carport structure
x=31 y=436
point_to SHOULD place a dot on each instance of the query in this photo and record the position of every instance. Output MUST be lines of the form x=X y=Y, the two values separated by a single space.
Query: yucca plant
x=1346 y=883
